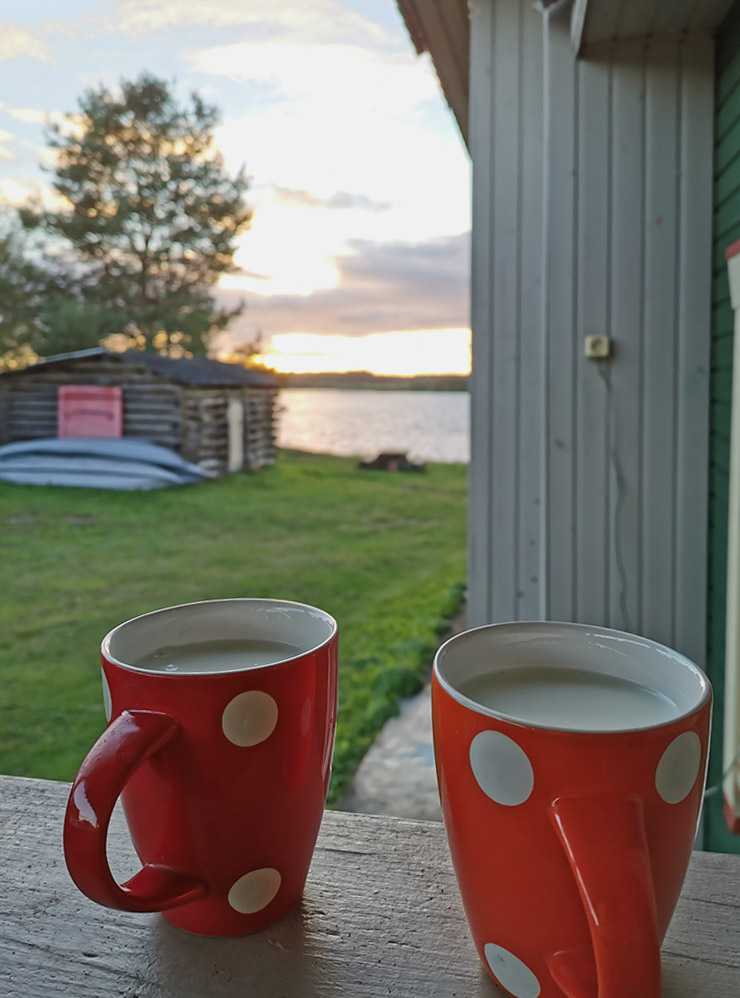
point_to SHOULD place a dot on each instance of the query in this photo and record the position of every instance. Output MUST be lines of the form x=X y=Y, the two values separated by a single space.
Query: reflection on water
x=428 y=426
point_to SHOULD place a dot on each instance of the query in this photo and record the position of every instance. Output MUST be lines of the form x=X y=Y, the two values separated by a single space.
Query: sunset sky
x=357 y=257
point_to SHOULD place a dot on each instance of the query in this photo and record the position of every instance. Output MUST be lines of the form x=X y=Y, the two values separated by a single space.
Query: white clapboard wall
x=592 y=183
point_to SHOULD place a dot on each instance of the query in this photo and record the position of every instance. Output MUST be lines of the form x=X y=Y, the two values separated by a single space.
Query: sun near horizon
x=398 y=353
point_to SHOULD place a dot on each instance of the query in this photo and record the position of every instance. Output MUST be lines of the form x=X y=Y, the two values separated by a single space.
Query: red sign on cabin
x=89 y=411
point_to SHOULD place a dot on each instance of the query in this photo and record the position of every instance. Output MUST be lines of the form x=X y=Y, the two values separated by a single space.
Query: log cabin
x=218 y=416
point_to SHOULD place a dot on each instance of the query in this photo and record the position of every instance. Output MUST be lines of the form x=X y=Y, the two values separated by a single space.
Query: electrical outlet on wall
x=598 y=347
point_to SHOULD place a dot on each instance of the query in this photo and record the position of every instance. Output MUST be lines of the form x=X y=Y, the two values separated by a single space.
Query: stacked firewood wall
x=190 y=426
x=260 y=421
x=205 y=432
x=204 y=429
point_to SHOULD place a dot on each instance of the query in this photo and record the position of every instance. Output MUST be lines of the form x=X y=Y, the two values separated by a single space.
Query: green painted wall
x=726 y=231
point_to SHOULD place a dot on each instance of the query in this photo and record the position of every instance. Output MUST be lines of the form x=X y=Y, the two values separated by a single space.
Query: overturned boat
x=96 y=463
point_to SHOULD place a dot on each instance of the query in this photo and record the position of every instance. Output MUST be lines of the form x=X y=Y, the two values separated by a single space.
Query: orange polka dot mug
x=571 y=764
x=221 y=719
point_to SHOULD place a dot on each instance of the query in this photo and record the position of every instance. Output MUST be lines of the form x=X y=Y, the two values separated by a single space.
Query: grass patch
x=383 y=553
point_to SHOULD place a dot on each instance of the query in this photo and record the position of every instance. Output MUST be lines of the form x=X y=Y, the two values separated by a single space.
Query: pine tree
x=23 y=286
x=150 y=214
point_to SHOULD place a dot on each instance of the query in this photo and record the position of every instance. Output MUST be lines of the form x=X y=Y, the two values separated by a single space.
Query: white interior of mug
x=303 y=627
x=546 y=645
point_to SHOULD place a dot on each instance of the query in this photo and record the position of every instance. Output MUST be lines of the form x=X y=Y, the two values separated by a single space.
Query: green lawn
x=384 y=553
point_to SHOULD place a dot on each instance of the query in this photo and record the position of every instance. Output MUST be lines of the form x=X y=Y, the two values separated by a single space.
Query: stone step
x=397 y=776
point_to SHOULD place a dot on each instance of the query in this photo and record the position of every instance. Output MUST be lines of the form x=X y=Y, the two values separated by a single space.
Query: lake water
x=428 y=426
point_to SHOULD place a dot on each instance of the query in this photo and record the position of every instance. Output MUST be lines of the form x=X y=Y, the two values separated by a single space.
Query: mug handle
x=131 y=738
x=618 y=898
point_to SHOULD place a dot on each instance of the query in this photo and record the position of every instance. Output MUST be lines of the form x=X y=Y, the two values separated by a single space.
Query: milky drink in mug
x=571 y=762
x=576 y=699
x=221 y=719
x=218 y=655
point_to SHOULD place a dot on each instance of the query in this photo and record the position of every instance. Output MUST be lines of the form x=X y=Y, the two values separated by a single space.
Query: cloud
x=309 y=18
x=5 y=139
x=295 y=49
x=380 y=287
x=16 y=42
x=422 y=172
x=295 y=197
x=14 y=191
x=254 y=275
x=18 y=190
x=338 y=76
x=33 y=115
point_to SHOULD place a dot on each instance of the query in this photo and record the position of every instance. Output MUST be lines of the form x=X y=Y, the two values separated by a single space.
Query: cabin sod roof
x=186 y=370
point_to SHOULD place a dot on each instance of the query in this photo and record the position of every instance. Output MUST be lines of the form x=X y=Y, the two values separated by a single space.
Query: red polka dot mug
x=571 y=764
x=221 y=719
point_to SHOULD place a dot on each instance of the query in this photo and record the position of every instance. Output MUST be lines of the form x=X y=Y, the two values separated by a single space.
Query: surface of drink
x=227 y=655
x=574 y=699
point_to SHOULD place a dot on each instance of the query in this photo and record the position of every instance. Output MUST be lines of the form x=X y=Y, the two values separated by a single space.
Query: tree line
x=141 y=222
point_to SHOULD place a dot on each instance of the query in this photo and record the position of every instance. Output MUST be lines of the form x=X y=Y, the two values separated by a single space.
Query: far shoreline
x=366 y=380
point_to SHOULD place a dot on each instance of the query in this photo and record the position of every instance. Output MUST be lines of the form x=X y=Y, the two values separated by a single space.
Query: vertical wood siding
x=592 y=216
x=694 y=346
x=726 y=231
x=593 y=308
x=530 y=560
x=506 y=499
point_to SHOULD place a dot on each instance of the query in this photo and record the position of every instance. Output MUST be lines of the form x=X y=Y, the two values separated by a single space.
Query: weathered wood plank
x=33 y=417
x=32 y=406
x=381 y=916
x=29 y=433
x=150 y=423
